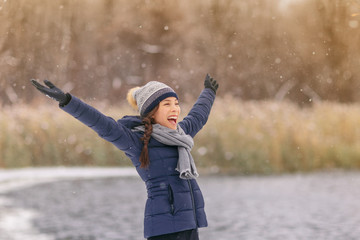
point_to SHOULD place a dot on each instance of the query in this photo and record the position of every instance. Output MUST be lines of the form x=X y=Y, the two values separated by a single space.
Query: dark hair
x=148 y=121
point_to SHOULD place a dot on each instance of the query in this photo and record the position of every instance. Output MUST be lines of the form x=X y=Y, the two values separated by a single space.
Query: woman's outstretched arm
x=199 y=113
x=105 y=126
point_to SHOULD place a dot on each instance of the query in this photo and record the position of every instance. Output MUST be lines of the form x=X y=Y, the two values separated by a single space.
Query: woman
x=159 y=147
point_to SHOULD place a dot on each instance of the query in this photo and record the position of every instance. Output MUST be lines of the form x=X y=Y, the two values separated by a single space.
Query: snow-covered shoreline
x=12 y=179
x=16 y=223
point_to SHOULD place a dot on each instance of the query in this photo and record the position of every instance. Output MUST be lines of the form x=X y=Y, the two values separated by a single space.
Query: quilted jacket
x=173 y=204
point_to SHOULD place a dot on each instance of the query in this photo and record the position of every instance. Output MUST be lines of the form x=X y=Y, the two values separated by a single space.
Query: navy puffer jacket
x=173 y=204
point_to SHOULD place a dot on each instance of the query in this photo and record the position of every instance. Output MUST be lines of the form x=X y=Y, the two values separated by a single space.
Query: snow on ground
x=17 y=223
x=11 y=179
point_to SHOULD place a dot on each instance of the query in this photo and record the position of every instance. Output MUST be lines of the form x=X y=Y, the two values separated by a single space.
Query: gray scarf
x=186 y=165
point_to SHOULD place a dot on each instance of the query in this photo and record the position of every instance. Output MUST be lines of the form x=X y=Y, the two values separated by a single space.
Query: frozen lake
x=108 y=204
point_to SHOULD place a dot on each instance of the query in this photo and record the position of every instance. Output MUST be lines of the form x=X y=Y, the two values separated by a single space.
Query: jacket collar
x=130 y=121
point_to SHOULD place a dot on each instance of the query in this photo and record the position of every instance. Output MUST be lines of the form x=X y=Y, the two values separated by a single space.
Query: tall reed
x=276 y=137
x=240 y=138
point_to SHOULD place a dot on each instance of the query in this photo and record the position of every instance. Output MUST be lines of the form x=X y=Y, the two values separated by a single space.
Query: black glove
x=53 y=92
x=211 y=83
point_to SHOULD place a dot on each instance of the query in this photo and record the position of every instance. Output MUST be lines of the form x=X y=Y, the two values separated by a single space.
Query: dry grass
x=239 y=138
x=275 y=137
x=46 y=136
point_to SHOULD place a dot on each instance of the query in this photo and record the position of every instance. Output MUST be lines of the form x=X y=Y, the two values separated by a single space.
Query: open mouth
x=172 y=119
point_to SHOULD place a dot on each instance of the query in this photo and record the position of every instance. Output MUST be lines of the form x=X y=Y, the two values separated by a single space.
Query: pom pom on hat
x=131 y=99
x=145 y=98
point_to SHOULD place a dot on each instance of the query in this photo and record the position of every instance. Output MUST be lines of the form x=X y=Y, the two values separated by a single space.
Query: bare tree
x=306 y=52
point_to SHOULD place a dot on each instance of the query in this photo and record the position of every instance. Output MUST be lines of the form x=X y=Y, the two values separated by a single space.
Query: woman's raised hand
x=211 y=83
x=52 y=91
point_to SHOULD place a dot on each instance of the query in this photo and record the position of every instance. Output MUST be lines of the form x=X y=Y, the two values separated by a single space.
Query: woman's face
x=168 y=113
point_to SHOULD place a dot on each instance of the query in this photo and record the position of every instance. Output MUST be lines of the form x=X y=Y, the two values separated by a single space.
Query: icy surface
x=16 y=223
x=108 y=204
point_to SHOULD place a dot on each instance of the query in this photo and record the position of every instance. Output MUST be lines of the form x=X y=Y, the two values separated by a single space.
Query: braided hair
x=148 y=121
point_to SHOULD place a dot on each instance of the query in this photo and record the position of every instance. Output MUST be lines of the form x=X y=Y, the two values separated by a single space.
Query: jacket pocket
x=171 y=200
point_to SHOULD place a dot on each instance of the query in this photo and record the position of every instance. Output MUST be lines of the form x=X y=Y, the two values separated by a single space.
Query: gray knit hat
x=145 y=98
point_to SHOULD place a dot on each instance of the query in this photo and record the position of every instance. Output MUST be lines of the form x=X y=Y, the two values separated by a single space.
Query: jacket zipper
x=171 y=200
x=192 y=201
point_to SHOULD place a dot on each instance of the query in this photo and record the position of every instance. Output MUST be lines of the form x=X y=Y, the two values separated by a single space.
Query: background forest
x=263 y=49
x=288 y=71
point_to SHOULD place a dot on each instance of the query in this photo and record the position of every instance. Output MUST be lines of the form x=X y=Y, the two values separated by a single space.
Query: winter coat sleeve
x=106 y=127
x=199 y=113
